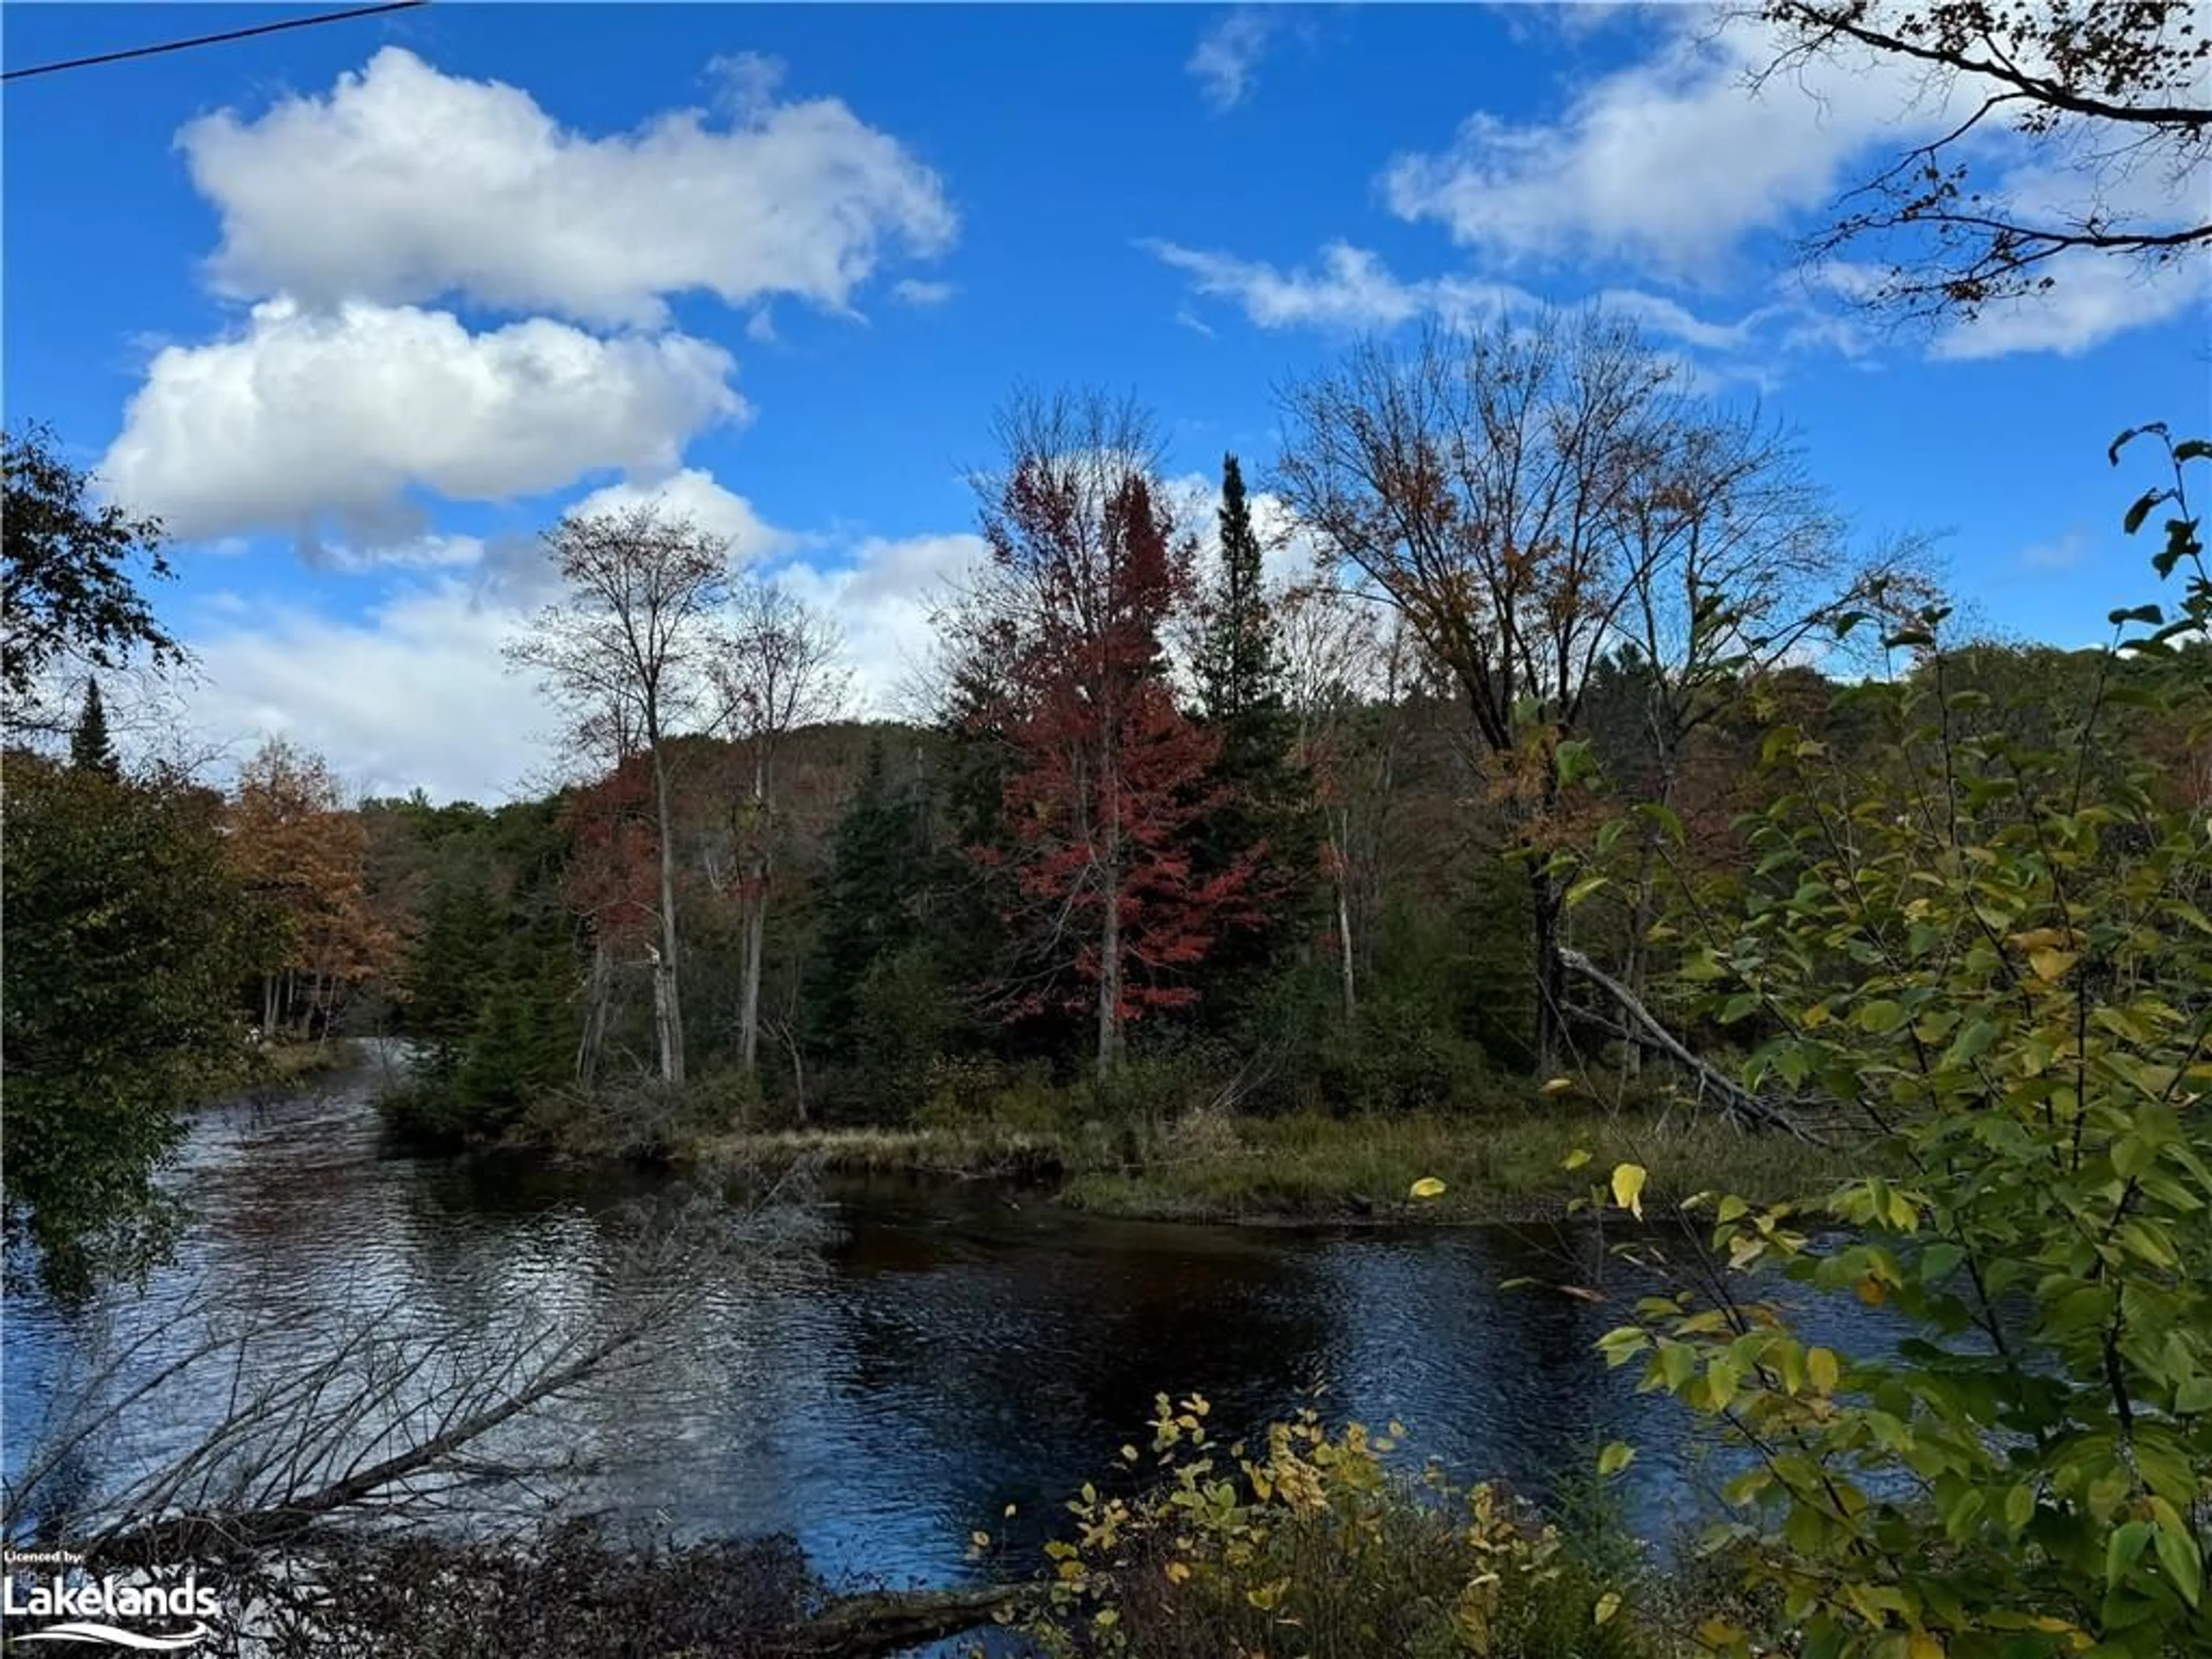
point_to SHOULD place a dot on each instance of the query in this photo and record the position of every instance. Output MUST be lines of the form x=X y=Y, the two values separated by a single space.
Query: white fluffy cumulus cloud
x=404 y=184
x=308 y=413
x=884 y=594
x=1668 y=162
x=414 y=694
x=693 y=493
x=414 y=691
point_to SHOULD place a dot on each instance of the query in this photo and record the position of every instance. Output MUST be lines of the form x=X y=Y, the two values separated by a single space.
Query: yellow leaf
x=1558 y=1085
x=1924 y=1646
x=1628 y=1188
x=1820 y=1364
x=1575 y=1159
x=1428 y=1187
x=1177 y=1573
x=1128 y=1456
x=2048 y=964
x=1607 y=1605
x=1615 y=1458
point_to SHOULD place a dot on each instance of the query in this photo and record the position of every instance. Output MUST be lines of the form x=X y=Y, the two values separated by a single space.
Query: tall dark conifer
x=1240 y=675
x=1241 y=684
x=91 y=749
x=876 y=864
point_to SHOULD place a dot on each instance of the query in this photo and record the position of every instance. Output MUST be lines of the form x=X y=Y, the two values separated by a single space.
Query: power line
x=210 y=40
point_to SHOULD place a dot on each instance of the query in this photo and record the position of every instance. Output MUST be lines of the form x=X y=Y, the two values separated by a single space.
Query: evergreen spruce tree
x=1242 y=695
x=91 y=749
x=1240 y=676
x=863 y=914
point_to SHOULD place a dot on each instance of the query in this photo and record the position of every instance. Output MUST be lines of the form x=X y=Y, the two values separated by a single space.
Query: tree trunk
x=1110 y=932
x=1110 y=980
x=749 y=1009
x=752 y=889
x=667 y=1007
x=882 y=1622
x=1641 y=1026
x=595 y=1018
x=789 y=1031
x=1341 y=866
x=1551 y=973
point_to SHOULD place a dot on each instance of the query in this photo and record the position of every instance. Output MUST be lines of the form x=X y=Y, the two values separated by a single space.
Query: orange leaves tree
x=300 y=849
x=1059 y=649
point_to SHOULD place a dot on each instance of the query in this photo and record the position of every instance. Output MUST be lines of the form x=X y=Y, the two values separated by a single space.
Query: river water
x=954 y=1349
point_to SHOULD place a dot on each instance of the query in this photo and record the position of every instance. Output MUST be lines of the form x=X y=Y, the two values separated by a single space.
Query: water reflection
x=955 y=1351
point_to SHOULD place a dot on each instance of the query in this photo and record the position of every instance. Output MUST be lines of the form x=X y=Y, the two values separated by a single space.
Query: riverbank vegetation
x=1312 y=1538
x=1304 y=1167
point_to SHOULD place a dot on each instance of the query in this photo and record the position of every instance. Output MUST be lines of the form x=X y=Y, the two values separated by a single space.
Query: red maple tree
x=1108 y=778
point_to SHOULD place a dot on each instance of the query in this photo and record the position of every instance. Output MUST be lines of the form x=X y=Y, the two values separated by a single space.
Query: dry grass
x=1212 y=1167
x=1321 y=1168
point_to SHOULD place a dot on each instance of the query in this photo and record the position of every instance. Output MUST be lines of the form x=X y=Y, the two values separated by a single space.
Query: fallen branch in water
x=886 y=1622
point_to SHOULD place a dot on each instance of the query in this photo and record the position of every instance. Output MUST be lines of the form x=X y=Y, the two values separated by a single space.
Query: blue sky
x=359 y=308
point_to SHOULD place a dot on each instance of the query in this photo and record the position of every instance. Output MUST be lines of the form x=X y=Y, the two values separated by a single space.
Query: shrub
x=2002 y=950
x=1307 y=1547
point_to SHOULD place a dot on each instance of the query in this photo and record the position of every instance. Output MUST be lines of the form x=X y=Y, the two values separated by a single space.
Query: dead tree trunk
x=595 y=1016
x=1641 y=1025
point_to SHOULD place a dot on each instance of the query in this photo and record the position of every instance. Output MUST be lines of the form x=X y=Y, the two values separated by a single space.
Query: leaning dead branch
x=400 y=1421
x=1643 y=1027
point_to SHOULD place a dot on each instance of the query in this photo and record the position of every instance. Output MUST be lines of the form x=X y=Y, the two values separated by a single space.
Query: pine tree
x=879 y=858
x=1266 y=803
x=91 y=749
x=1240 y=675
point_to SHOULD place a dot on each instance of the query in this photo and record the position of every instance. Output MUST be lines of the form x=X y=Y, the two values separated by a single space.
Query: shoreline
x=1321 y=1173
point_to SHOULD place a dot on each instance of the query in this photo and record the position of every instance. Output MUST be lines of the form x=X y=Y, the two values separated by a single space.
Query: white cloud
x=882 y=595
x=693 y=493
x=2062 y=552
x=404 y=184
x=1674 y=162
x=1228 y=56
x=1352 y=289
x=415 y=695
x=1668 y=162
x=306 y=413
x=914 y=292
x=2093 y=297
x=415 y=692
x=432 y=552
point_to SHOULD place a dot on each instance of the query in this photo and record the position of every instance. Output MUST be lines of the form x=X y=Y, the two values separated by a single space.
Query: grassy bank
x=1327 y=1169
x=296 y=1062
x=1211 y=1167
x=283 y=1064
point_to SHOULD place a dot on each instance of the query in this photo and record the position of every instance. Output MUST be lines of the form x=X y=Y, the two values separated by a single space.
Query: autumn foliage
x=1107 y=780
x=297 y=847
